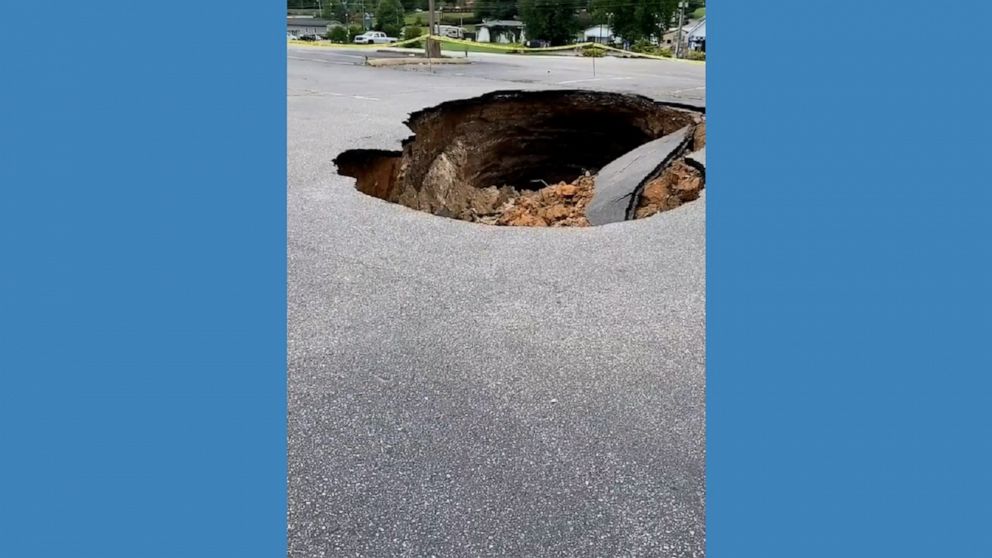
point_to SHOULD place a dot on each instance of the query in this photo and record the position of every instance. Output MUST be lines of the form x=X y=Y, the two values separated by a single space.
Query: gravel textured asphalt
x=458 y=389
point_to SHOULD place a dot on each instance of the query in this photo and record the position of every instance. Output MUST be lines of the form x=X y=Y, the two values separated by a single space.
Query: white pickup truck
x=373 y=38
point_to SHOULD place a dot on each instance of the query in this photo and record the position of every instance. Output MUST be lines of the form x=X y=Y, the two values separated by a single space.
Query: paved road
x=463 y=390
x=667 y=80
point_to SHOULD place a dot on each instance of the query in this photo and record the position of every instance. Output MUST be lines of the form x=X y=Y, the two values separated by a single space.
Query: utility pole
x=432 y=49
x=678 y=41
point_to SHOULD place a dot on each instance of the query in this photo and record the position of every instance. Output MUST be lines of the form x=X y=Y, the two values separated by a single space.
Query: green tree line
x=556 y=21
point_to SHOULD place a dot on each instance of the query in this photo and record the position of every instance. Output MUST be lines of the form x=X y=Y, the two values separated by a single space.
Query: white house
x=598 y=34
x=300 y=26
x=696 y=37
x=500 y=31
x=693 y=36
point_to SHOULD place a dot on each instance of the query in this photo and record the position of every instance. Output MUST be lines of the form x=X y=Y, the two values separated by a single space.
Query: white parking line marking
x=591 y=79
x=348 y=55
x=677 y=91
x=314 y=93
x=321 y=61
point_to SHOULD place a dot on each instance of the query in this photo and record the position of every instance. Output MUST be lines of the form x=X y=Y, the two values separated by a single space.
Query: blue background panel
x=143 y=284
x=142 y=296
x=848 y=279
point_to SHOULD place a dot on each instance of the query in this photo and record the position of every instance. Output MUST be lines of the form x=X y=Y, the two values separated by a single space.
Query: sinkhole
x=531 y=158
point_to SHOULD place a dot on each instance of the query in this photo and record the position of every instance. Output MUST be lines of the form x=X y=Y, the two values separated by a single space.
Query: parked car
x=374 y=38
x=307 y=37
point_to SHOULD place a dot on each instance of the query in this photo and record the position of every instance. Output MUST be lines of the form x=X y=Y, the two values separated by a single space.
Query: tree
x=301 y=4
x=411 y=5
x=549 y=20
x=635 y=20
x=495 y=9
x=334 y=11
x=344 y=11
x=389 y=13
x=338 y=34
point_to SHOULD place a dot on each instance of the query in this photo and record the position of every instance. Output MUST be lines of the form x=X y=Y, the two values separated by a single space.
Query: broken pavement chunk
x=618 y=183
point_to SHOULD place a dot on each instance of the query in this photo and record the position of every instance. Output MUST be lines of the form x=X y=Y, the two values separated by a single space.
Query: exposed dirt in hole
x=678 y=184
x=699 y=136
x=559 y=205
x=525 y=158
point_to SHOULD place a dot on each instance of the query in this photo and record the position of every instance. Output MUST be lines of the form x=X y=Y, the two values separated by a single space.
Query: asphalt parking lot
x=683 y=82
x=458 y=389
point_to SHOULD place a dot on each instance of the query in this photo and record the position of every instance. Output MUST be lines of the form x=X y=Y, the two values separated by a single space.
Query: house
x=668 y=39
x=693 y=36
x=696 y=38
x=500 y=31
x=300 y=26
x=599 y=34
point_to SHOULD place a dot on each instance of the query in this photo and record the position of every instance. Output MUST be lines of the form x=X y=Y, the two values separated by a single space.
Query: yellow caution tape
x=325 y=44
x=523 y=49
x=508 y=48
x=496 y=46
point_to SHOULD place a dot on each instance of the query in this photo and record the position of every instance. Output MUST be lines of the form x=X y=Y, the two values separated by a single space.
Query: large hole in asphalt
x=530 y=158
